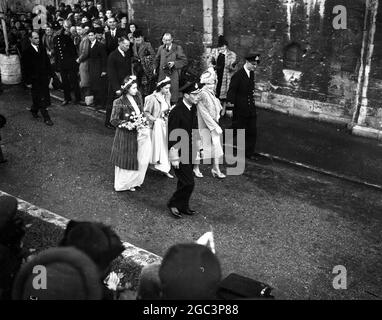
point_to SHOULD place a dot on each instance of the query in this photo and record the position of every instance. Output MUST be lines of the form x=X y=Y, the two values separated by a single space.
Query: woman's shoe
x=168 y=175
x=217 y=174
x=198 y=174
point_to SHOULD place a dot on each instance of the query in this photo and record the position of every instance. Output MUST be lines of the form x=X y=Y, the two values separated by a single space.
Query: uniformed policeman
x=241 y=97
x=65 y=56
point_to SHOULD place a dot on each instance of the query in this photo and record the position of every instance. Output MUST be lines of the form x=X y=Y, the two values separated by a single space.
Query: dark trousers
x=185 y=186
x=40 y=91
x=69 y=83
x=250 y=126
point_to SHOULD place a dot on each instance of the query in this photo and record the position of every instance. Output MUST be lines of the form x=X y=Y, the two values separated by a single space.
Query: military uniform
x=65 y=56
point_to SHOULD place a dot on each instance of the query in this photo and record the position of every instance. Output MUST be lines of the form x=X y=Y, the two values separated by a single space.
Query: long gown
x=127 y=179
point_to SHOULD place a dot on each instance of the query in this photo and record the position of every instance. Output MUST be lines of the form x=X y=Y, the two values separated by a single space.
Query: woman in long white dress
x=131 y=151
x=208 y=111
x=157 y=106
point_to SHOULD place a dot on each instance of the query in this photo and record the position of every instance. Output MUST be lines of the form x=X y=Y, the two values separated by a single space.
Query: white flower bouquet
x=134 y=122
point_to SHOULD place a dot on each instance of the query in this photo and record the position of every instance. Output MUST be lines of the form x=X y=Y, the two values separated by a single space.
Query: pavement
x=278 y=223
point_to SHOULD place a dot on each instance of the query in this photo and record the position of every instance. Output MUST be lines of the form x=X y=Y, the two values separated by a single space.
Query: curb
x=134 y=257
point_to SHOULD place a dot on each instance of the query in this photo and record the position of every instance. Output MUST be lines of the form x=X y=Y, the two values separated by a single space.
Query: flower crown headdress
x=129 y=82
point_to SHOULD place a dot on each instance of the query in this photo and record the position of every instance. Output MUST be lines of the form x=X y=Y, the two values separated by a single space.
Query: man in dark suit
x=37 y=76
x=111 y=37
x=241 y=96
x=65 y=56
x=97 y=68
x=118 y=68
x=183 y=120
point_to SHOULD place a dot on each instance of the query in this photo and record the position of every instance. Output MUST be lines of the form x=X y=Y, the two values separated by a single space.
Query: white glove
x=229 y=113
x=219 y=130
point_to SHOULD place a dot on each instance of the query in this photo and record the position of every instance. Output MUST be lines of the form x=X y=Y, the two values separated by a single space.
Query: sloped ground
x=277 y=224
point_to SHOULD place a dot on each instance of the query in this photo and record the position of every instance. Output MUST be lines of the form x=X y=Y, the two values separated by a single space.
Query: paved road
x=278 y=224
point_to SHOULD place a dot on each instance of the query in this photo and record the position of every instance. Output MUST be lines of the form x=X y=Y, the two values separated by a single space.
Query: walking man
x=182 y=152
x=37 y=76
x=241 y=96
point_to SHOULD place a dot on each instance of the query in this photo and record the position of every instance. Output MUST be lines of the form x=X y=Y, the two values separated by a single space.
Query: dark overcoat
x=97 y=65
x=241 y=94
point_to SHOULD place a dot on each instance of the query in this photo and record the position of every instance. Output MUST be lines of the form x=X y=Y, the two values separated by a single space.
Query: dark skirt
x=125 y=149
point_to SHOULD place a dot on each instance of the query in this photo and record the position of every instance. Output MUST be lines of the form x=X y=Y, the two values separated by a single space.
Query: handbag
x=235 y=286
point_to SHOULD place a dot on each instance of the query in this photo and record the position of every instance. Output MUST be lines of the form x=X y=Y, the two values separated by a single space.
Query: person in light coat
x=208 y=112
x=169 y=61
x=157 y=107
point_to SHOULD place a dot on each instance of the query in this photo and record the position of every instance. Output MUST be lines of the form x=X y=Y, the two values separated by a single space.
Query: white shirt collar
x=247 y=70
x=113 y=32
x=187 y=105
x=93 y=43
x=35 y=47
x=122 y=53
x=169 y=48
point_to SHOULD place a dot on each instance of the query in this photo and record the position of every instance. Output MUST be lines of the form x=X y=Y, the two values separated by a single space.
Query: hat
x=189 y=271
x=252 y=57
x=222 y=41
x=8 y=209
x=56 y=25
x=95 y=239
x=191 y=87
x=163 y=83
x=61 y=273
x=208 y=77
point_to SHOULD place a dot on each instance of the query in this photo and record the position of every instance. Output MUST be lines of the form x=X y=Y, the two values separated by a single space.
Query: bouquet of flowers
x=134 y=122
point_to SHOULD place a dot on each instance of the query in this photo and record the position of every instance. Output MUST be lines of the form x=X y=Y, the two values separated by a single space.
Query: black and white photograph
x=191 y=150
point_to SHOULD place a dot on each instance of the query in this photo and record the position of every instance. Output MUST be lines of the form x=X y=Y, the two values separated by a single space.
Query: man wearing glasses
x=241 y=97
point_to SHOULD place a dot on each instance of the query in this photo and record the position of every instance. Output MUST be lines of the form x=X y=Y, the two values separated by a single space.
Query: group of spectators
x=79 y=266
x=80 y=41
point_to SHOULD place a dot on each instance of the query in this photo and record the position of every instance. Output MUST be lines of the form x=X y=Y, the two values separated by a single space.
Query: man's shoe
x=48 y=122
x=175 y=212
x=108 y=125
x=66 y=102
x=35 y=115
x=3 y=161
x=189 y=212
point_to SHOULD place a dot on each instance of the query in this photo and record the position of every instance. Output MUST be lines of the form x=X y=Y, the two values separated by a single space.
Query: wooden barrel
x=10 y=69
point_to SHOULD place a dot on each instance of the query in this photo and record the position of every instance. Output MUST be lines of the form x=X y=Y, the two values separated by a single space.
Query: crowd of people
x=98 y=58
x=79 y=266
x=83 y=266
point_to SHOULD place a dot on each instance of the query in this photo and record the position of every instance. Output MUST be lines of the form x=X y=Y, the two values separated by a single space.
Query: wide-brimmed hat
x=189 y=271
x=95 y=239
x=58 y=274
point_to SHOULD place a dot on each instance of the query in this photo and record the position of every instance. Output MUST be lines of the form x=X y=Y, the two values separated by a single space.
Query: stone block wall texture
x=296 y=35
x=303 y=56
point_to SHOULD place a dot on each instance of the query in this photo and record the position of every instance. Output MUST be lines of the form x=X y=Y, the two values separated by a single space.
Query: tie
x=168 y=48
x=113 y=33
